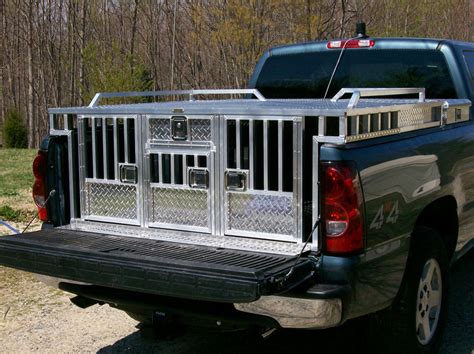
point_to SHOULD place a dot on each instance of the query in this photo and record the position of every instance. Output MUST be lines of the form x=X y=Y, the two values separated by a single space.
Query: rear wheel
x=415 y=322
x=429 y=301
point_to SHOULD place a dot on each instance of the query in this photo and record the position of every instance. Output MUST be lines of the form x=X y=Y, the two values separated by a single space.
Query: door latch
x=236 y=180
x=128 y=173
x=179 y=128
x=198 y=178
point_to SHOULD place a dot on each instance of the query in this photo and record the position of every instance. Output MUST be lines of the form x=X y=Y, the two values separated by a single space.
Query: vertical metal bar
x=379 y=122
x=322 y=126
x=315 y=184
x=51 y=122
x=160 y=167
x=116 y=149
x=172 y=168
x=389 y=120
x=72 y=165
x=280 y=155
x=224 y=144
x=251 y=172
x=147 y=205
x=196 y=161
x=104 y=147
x=140 y=158
x=125 y=139
x=185 y=169
x=237 y=143
x=94 y=148
x=215 y=172
x=66 y=122
x=82 y=157
x=298 y=127
x=299 y=183
x=357 y=125
x=265 y=154
x=137 y=123
x=342 y=126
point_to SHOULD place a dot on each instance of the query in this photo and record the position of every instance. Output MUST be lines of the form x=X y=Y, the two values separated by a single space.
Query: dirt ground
x=37 y=318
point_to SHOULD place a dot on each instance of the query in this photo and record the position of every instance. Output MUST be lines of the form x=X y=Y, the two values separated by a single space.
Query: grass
x=16 y=180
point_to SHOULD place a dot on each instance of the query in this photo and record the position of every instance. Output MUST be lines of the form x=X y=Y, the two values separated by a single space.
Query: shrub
x=14 y=131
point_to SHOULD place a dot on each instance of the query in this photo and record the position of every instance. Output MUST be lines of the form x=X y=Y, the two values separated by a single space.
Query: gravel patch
x=37 y=318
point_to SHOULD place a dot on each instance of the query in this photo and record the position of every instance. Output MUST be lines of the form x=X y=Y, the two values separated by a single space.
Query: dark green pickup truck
x=341 y=184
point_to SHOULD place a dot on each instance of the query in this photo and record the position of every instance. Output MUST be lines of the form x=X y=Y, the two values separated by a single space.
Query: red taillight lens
x=39 y=165
x=39 y=190
x=342 y=208
x=352 y=43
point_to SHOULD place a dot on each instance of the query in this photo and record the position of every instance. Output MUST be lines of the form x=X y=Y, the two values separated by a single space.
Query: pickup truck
x=279 y=209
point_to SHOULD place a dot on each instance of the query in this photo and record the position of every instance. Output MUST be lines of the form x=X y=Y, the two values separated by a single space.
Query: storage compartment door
x=109 y=170
x=179 y=195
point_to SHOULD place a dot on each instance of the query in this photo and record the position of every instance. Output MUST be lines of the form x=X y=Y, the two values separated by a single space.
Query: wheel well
x=442 y=216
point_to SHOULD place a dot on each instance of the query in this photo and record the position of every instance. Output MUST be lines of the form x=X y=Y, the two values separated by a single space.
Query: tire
x=416 y=320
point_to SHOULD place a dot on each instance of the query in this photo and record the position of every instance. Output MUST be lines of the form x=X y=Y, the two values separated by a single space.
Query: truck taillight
x=39 y=188
x=342 y=208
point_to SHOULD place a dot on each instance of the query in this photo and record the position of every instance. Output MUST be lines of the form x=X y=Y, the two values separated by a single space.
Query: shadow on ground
x=350 y=338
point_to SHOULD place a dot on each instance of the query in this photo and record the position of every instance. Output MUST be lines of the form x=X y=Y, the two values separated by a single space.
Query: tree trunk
x=30 y=98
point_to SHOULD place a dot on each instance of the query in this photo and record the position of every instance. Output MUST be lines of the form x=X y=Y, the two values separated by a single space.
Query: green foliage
x=110 y=70
x=10 y=214
x=14 y=131
x=16 y=180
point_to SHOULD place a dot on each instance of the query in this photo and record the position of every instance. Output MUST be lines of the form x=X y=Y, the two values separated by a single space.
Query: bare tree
x=59 y=52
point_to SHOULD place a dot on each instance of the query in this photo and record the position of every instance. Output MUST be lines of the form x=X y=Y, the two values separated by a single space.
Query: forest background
x=61 y=52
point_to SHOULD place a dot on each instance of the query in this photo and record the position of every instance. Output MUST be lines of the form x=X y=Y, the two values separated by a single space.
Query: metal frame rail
x=190 y=93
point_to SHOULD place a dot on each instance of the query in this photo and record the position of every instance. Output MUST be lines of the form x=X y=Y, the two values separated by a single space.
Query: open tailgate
x=152 y=266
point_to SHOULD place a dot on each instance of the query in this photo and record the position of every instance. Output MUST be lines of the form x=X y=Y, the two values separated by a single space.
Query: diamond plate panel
x=414 y=116
x=201 y=129
x=180 y=206
x=260 y=213
x=111 y=200
x=160 y=129
x=195 y=238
